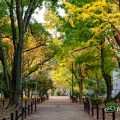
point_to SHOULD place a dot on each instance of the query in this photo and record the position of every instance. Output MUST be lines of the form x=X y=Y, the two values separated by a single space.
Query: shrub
x=91 y=96
x=111 y=106
x=59 y=93
x=95 y=101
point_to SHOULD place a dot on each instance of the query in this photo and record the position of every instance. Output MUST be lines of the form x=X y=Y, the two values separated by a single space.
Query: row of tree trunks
x=16 y=78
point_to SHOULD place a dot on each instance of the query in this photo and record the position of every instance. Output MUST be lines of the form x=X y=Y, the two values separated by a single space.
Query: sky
x=39 y=17
x=39 y=14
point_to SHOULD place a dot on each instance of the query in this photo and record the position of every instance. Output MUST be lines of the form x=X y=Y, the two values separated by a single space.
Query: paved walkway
x=59 y=108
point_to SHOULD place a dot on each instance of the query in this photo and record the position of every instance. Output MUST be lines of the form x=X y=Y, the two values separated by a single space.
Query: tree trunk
x=16 y=83
x=19 y=22
x=109 y=86
x=97 y=85
x=105 y=75
x=4 y=63
x=80 y=78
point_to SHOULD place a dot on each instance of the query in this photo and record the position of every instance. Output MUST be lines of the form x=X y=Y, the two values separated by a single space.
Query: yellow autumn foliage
x=60 y=76
x=57 y=42
x=90 y=10
x=71 y=21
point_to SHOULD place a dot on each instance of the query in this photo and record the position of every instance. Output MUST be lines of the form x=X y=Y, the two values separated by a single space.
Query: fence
x=98 y=112
x=28 y=107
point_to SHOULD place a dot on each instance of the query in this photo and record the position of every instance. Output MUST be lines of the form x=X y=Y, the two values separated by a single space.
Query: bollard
x=103 y=114
x=33 y=100
x=3 y=103
x=25 y=111
x=31 y=107
x=113 y=115
x=37 y=100
x=4 y=119
x=92 y=111
x=84 y=106
x=12 y=116
x=83 y=99
x=28 y=110
x=35 y=105
x=88 y=108
x=105 y=102
x=41 y=100
x=25 y=102
x=22 y=117
x=97 y=110
x=16 y=114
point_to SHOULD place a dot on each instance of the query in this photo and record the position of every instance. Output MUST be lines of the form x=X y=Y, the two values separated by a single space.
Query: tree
x=40 y=84
x=20 y=13
x=91 y=23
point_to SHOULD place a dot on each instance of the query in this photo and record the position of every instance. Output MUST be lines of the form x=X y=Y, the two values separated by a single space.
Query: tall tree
x=20 y=13
x=89 y=23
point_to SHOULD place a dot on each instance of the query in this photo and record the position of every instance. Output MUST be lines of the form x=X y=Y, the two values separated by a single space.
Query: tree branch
x=69 y=82
x=37 y=66
x=80 y=49
x=28 y=13
x=13 y=28
x=20 y=21
x=27 y=50
x=73 y=73
x=112 y=46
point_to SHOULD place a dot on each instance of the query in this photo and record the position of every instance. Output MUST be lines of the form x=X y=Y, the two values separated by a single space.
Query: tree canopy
x=83 y=45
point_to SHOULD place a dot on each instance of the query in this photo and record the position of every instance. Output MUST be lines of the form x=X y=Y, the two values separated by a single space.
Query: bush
x=111 y=106
x=76 y=93
x=95 y=101
x=59 y=93
x=91 y=96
